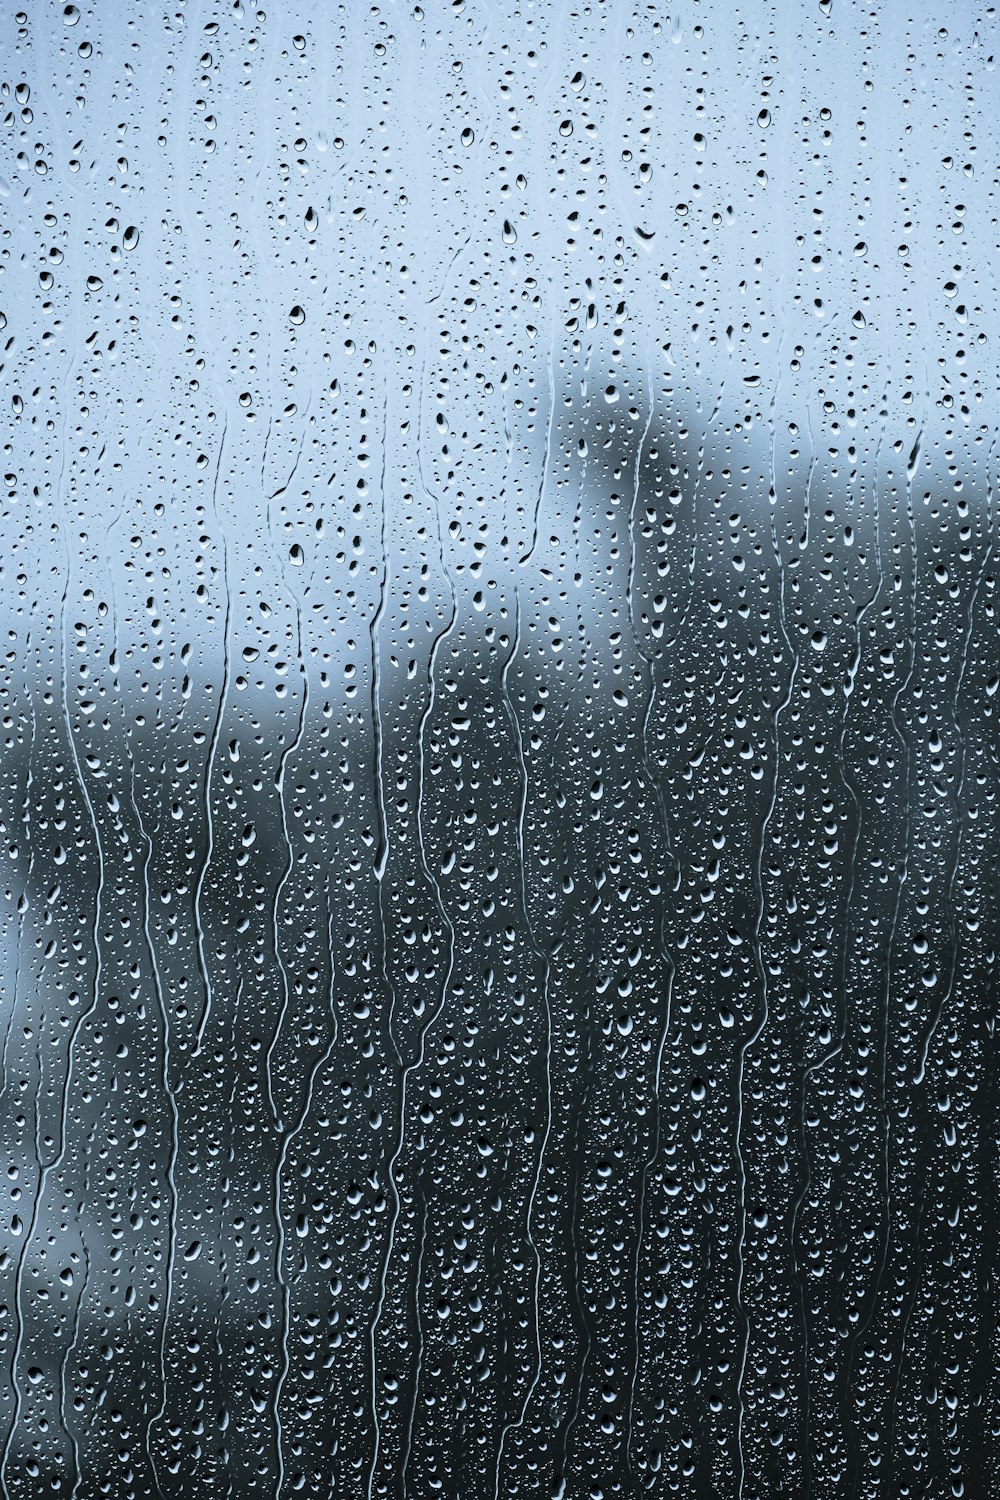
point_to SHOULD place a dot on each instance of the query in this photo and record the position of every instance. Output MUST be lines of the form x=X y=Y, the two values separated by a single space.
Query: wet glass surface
x=499 y=801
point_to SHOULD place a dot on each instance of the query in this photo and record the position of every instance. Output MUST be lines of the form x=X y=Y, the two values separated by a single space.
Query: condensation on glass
x=499 y=802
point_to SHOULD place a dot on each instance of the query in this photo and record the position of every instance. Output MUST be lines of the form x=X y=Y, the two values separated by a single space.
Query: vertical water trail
x=509 y=450
x=381 y=859
x=693 y=561
x=907 y=752
x=382 y=846
x=290 y=749
x=224 y=1292
x=757 y=949
x=408 y=1448
x=873 y=598
x=546 y=956
x=527 y=556
x=64 y=1366
x=156 y=1417
x=652 y=781
x=23 y=908
x=630 y=577
x=573 y=1411
x=543 y=1147
x=813 y=461
x=564 y=718
x=284 y=1290
x=210 y=760
x=573 y=1414
x=948 y=987
x=516 y=727
x=24 y=900
x=186 y=172
x=412 y=1067
x=838 y=1041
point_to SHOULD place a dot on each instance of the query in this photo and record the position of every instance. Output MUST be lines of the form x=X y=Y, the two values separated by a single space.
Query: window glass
x=499 y=802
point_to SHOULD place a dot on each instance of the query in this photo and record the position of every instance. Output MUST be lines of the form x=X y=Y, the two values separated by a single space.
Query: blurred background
x=499 y=799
